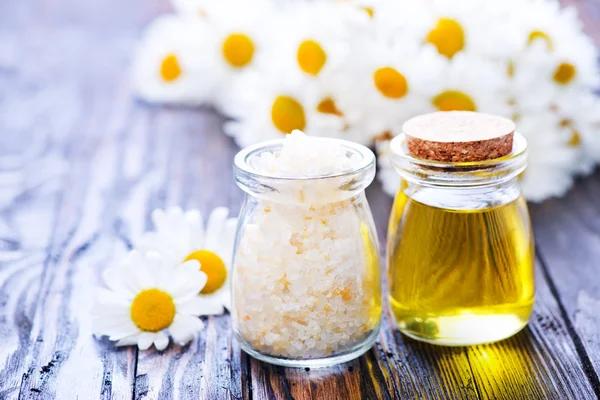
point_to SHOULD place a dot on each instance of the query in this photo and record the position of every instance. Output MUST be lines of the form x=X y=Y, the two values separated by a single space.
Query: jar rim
x=242 y=160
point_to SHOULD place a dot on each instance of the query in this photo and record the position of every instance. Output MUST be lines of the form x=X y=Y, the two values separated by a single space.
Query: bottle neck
x=463 y=197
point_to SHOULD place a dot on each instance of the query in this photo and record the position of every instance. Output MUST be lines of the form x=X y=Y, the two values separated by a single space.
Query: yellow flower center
x=448 y=36
x=169 y=68
x=369 y=10
x=454 y=100
x=287 y=114
x=575 y=139
x=390 y=83
x=510 y=69
x=539 y=35
x=328 y=106
x=238 y=50
x=564 y=73
x=311 y=57
x=152 y=310
x=214 y=268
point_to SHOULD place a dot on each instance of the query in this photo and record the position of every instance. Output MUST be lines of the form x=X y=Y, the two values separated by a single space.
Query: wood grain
x=82 y=164
x=568 y=236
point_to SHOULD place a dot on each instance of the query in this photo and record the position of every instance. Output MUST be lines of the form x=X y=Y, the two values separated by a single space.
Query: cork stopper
x=459 y=136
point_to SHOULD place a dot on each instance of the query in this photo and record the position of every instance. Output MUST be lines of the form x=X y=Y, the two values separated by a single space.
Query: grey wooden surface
x=82 y=164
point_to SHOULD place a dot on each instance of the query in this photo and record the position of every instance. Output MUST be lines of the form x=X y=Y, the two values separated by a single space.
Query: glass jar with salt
x=306 y=286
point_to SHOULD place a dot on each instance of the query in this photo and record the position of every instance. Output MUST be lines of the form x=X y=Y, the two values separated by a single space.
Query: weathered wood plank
x=541 y=362
x=191 y=159
x=64 y=351
x=568 y=237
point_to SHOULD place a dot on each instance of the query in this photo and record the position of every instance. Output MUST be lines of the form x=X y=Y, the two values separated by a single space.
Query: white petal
x=195 y=225
x=200 y=305
x=215 y=226
x=129 y=341
x=159 y=217
x=184 y=328
x=187 y=280
x=145 y=340
x=161 y=341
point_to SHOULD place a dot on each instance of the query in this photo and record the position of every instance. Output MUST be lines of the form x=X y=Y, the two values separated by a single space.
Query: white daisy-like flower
x=147 y=296
x=578 y=115
x=170 y=63
x=560 y=32
x=180 y=236
x=269 y=106
x=453 y=27
x=472 y=83
x=550 y=162
x=243 y=31
x=387 y=85
x=529 y=90
x=313 y=38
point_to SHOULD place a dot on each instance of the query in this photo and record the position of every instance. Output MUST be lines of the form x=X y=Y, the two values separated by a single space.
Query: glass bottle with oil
x=460 y=248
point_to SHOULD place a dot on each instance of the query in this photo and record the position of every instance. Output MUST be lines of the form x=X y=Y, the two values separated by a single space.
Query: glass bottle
x=460 y=248
x=306 y=280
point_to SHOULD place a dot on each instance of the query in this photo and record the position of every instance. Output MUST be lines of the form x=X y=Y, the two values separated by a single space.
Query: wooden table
x=82 y=164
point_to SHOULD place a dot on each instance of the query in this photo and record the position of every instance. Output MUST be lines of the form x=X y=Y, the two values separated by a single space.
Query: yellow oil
x=460 y=277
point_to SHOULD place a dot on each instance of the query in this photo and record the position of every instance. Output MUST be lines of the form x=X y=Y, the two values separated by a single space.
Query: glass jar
x=460 y=248
x=306 y=280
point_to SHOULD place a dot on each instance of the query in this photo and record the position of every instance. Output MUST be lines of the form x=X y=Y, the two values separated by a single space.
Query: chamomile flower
x=550 y=161
x=388 y=85
x=529 y=90
x=180 y=236
x=242 y=32
x=147 y=296
x=169 y=65
x=578 y=117
x=313 y=38
x=269 y=106
x=452 y=27
x=472 y=83
x=560 y=32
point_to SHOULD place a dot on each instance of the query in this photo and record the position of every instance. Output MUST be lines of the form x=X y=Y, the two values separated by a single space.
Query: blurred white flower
x=387 y=85
x=180 y=236
x=269 y=106
x=313 y=38
x=242 y=32
x=472 y=83
x=452 y=27
x=529 y=90
x=147 y=296
x=573 y=56
x=550 y=161
x=578 y=118
x=171 y=63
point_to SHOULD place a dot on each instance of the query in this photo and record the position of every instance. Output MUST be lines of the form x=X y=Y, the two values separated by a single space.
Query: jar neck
x=465 y=197
x=304 y=190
